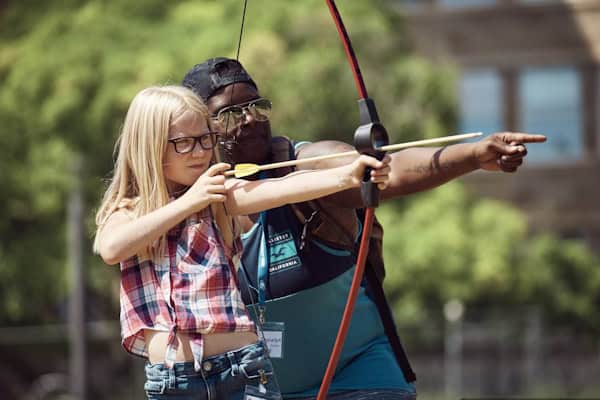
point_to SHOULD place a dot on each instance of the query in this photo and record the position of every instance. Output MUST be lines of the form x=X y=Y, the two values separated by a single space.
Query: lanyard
x=263 y=261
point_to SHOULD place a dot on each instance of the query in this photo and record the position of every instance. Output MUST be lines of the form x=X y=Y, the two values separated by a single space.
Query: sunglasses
x=187 y=144
x=259 y=109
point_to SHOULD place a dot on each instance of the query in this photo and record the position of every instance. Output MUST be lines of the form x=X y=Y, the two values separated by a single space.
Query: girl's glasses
x=187 y=144
x=259 y=109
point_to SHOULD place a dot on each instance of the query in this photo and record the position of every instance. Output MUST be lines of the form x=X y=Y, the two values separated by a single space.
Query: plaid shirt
x=193 y=290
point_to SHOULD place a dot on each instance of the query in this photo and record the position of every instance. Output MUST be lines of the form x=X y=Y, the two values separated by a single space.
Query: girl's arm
x=248 y=197
x=123 y=235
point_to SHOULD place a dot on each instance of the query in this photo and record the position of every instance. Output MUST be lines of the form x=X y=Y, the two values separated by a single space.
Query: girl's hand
x=208 y=188
x=380 y=173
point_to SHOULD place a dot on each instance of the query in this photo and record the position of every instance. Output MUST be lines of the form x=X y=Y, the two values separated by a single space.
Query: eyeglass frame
x=197 y=140
x=245 y=109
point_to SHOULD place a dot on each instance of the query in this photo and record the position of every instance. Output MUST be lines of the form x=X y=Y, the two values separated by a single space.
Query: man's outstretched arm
x=417 y=169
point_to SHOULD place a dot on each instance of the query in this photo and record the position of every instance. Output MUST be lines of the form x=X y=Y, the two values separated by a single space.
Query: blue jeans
x=223 y=376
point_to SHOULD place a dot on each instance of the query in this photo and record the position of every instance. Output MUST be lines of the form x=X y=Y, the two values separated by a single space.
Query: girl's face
x=182 y=167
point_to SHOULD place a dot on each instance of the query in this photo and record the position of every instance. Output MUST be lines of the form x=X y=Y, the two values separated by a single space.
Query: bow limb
x=369 y=131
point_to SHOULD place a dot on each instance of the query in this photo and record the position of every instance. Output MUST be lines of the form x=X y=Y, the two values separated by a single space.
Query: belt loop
x=172 y=380
x=233 y=363
x=172 y=346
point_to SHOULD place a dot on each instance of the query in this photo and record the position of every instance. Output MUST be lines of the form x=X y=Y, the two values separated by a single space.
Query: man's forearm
x=412 y=170
x=418 y=169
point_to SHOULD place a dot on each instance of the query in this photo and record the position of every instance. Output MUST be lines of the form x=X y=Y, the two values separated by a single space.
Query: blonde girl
x=180 y=305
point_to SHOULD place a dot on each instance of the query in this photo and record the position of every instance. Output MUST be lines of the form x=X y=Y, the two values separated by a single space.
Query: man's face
x=252 y=137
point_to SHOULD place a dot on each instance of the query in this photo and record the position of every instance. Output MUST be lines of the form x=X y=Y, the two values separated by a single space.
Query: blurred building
x=533 y=66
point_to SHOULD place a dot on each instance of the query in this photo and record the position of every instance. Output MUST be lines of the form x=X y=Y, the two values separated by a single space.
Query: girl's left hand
x=380 y=170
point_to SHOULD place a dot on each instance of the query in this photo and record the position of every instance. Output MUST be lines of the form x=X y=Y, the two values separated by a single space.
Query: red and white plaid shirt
x=193 y=290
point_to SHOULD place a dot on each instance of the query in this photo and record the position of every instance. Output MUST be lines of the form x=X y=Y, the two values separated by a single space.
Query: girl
x=180 y=305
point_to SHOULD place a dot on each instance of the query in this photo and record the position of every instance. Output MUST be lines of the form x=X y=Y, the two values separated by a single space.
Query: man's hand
x=504 y=151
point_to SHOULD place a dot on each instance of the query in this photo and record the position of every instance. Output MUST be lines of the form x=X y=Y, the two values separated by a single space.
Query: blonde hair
x=138 y=183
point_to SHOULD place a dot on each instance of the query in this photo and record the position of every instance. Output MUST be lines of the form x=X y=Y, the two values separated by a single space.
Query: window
x=480 y=99
x=550 y=103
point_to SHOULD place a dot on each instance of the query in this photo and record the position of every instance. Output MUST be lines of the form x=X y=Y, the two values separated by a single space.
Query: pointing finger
x=523 y=137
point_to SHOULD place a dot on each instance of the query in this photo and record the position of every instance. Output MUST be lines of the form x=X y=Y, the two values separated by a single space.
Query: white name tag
x=273 y=334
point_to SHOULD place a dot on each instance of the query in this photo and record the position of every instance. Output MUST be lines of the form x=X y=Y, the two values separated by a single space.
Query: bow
x=369 y=136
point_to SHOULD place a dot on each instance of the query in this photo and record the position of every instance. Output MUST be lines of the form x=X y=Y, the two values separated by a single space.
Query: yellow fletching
x=242 y=170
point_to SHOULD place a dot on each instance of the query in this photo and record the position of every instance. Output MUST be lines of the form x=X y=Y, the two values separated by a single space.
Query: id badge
x=260 y=393
x=274 y=333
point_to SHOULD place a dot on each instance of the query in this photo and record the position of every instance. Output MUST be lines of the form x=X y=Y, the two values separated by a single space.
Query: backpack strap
x=336 y=228
x=389 y=326
x=375 y=273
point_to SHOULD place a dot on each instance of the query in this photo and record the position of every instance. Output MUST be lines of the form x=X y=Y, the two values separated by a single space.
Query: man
x=298 y=260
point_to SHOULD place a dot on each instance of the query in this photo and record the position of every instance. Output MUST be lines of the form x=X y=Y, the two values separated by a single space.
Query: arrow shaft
x=391 y=147
x=427 y=142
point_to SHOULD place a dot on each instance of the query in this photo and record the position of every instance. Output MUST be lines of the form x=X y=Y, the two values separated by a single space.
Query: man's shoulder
x=306 y=148
x=323 y=147
x=286 y=142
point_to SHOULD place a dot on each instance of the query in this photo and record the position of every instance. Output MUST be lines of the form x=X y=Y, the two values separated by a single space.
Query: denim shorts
x=223 y=376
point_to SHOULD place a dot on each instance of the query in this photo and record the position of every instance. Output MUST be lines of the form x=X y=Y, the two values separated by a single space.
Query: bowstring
x=237 y=58
x=236 y=241
x=237 y=55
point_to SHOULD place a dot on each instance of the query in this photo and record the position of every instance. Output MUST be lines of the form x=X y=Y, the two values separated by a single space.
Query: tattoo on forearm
x=434 y=166
x=419 y=169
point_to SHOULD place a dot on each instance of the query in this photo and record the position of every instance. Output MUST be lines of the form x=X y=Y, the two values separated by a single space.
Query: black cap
x=206 y=78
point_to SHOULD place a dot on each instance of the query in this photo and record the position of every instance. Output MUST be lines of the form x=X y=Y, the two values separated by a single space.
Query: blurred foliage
x=447 y=245
x=69 y=68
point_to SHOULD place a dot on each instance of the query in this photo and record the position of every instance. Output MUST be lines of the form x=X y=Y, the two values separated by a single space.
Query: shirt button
x=207 y=366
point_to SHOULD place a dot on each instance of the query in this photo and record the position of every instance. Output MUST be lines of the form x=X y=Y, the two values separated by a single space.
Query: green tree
x=68 y=70
x=446 y=245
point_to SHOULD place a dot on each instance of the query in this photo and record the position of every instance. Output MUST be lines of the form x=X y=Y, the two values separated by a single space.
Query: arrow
x=243 y=170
